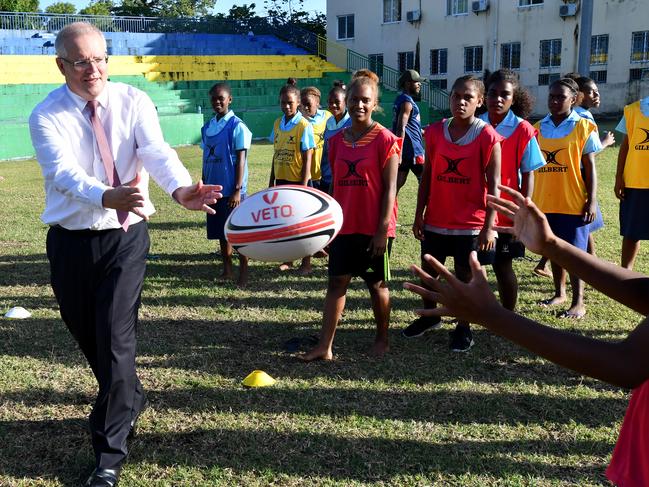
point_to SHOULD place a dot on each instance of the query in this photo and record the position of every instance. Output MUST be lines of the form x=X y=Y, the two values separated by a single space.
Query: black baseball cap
x=409 y=75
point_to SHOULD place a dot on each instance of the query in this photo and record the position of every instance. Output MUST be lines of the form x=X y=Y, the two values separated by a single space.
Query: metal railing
x=434 y=97
x=55 y=22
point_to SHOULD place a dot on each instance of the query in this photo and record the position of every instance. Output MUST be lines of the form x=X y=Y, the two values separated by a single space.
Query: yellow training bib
x=287 y=158
x=559 y=186
x=318 y=132
x=636 y=167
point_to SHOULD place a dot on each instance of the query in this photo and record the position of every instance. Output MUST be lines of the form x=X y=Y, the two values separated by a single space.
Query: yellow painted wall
x=42 y=69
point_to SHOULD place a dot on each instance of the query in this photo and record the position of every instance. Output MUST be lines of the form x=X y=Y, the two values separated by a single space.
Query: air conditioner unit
x=568 y=10
x=479 y=6
x=413 y=15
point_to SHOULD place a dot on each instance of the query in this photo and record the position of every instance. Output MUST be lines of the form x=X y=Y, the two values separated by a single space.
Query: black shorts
x=348 y=254
x=507 y=248
x=321 y=185
x=408 y=164
x=459 y=247
x=216 y=222
x=284 y=182
x=634 y=224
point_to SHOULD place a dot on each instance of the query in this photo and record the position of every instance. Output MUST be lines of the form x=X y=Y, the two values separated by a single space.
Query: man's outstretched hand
x=198 y=197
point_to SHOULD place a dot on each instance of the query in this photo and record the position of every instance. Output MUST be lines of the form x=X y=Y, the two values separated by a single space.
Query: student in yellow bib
x=310 y=108
x=293 y=145
x=632 y=179
x=567 y=197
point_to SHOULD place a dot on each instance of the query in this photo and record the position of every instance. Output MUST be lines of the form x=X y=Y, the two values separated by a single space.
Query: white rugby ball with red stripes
x=284 y=223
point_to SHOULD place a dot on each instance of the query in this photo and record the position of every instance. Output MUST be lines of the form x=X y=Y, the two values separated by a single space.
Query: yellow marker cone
x=258 y=378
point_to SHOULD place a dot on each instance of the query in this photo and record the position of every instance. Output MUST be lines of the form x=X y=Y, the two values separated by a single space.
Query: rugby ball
x=284 y=223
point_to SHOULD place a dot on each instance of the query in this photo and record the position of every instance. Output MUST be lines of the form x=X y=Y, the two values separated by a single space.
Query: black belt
x=88 y=230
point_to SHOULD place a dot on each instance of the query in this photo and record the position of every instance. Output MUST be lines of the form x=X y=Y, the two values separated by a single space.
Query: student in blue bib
x=225 y=140
x=406 y=123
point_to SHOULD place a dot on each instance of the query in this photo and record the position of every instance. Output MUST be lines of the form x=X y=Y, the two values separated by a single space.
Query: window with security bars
x=640 y=46
x=440 y=84
x=638 y=74
x=510 y=55
x=546 y=78
x=376 y=63
x=438 y=61
x=391 y=11
x=599 y=77
x=550 y=53
x=599 y=49
x=473 y=59
x=406 y=60
x=346 y=27
x=457 y=7
x=529 y=3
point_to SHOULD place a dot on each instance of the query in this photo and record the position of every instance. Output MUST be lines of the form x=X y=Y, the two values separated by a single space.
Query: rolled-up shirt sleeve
x=157 y=157
x=59 y=165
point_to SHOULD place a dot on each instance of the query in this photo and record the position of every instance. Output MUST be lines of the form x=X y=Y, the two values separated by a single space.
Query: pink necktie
x=106 y=157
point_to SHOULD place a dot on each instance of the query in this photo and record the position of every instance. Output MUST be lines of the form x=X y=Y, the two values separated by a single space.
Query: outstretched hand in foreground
x=624 y=363
x=198 y=196
x=467 y=301
x=473 y=300
x=530 y=224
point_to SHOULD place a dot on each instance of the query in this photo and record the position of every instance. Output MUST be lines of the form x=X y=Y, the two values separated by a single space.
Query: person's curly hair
x=523 y=103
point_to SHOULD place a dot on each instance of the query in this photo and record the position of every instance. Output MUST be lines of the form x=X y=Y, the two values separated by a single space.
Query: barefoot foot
x=243 y=279
x=576 y=312
x=553 y=301
x=543 y=272
x=305 y=270
x=226 y=276
x=379 y=348
x=317 y=354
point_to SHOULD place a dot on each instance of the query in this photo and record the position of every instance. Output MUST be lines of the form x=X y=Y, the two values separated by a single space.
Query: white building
x=537 y=38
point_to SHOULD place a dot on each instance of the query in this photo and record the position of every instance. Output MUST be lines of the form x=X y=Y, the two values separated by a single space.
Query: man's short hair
x=71 y=31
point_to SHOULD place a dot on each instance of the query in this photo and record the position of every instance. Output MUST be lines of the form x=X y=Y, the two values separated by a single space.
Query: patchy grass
x=421 y=416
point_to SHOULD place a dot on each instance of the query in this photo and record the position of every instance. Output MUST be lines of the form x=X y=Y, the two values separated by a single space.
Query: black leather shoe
x=103 y=477
x=133 y=431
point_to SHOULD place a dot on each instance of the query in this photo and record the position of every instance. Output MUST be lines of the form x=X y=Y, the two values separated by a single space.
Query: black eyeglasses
x=84 y=64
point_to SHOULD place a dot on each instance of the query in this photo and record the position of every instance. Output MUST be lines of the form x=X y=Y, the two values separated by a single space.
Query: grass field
x=421 y=416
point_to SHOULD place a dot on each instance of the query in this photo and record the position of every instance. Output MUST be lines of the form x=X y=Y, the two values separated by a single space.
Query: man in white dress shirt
x=98 y=239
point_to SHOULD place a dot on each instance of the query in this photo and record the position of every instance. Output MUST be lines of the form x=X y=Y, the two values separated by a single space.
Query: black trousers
x=97 y=279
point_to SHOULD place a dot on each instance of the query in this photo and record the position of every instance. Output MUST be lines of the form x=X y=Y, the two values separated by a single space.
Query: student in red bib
x=624 y=363
x=565 y=189
x=462 y=166
x=364 y=160
x=508 y=104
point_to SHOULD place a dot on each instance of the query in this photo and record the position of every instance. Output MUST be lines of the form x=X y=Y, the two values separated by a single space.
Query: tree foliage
x=292 y=11
x=61 y=8
x=164 y=8
x=98 y=7
x=19 y=5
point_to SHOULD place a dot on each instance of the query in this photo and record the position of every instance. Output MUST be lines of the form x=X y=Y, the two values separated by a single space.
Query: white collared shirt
x=66 y=149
